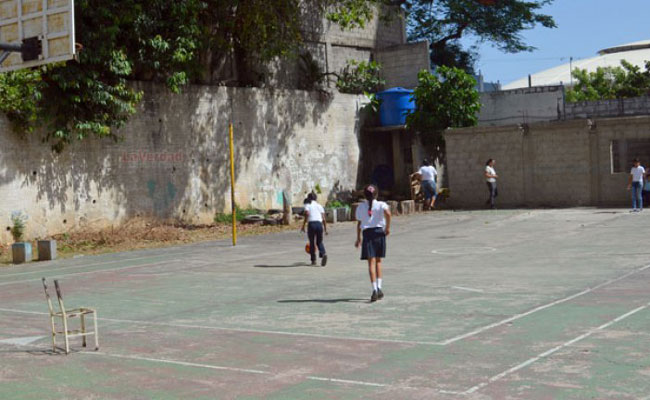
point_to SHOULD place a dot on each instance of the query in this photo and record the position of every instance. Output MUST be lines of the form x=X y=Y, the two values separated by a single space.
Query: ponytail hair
x=370 y=193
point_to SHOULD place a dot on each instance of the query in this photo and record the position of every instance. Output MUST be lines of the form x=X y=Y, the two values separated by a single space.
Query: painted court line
x=467 y=289
x=540 y=308
x=107 y=270
x=89 y=265
x=551 y=351
x=122 y=261
x=217 y=328
x=242 y=370
x=174 y=362
x=333 y=337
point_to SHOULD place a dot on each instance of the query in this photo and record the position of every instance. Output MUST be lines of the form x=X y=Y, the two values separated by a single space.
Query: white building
x=636 y=53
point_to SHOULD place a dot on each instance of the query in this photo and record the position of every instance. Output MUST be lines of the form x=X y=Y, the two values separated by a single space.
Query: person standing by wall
x=427 y=174
x=646 y=189
x=636 y=184
x=374 y=221
x=491 y=180
x=314 y=217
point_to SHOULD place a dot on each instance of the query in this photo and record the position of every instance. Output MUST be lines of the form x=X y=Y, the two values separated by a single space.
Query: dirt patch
x=140 y=233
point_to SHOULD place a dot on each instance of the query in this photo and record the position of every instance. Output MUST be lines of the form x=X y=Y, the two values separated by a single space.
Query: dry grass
x=141 y=233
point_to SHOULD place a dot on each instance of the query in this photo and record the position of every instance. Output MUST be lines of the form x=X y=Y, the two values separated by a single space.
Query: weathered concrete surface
x=173 y=159
x=522 y=106
x=479 y=305
x=556 y=164
x=400 y=64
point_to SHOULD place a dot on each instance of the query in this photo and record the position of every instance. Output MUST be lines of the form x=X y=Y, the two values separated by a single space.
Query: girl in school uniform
x=316 y=225
x=374 y=221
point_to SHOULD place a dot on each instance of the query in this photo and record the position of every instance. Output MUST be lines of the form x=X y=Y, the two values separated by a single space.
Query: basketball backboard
x=43 y=28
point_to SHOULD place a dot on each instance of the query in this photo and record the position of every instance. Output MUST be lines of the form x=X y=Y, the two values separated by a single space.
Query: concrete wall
x=402 y=63
x=609 y=108
x=332 y=47
x=542 y=103
x=559 y=164
x=173 y=159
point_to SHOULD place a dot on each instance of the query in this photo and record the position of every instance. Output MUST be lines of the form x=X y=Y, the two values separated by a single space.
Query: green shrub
x=360 y=77
x=18 y=226
x=240 y=214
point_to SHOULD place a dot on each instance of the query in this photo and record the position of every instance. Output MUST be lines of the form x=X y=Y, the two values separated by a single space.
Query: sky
x=583 y=28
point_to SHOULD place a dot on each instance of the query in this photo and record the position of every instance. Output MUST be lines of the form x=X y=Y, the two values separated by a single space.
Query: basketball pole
x=232 y=185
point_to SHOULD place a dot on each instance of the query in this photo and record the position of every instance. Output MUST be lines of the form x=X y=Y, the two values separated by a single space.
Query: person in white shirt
x=636 y=184
x=491 y=180
x=316 y=225
x=374 y=221
x=427 y=174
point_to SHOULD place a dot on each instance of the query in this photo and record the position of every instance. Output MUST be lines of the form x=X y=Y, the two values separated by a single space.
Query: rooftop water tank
x=396 y=104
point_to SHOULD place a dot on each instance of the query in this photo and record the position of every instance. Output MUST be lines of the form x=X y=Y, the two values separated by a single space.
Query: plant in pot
x=21 y=251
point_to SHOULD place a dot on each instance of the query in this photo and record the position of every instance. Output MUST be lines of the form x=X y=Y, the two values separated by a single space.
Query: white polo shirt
x=428 y=173
x=315 y=212
x=637 y=174
x=376 y=218
x=490 y=171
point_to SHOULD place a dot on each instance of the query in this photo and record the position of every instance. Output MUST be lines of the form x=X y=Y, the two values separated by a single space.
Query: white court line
x=184 y=363
x=142 y=265
x=467 y=289
x=461 y=251
x=243 y=370
x=540 y=308
x=396 y=341
x=217 y=328
x=90 y=265
x=551 y=351
x=107 y=270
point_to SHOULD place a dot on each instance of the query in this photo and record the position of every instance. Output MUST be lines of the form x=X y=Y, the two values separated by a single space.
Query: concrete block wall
x=173 y=161
x=554 y=164
x=402 y=63
x=386 y=28
x=467 y=152
x=609 y=108
x=518 y=106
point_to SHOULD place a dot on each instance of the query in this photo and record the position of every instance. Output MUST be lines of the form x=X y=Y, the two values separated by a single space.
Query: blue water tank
x=396 y=104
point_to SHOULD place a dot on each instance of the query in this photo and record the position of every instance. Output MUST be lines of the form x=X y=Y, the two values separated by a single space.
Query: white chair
x=64 y=315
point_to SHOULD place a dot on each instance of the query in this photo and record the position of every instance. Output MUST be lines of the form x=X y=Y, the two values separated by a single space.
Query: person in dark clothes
x=316 y=225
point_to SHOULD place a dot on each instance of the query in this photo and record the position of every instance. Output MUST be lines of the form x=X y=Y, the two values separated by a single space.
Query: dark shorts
x=374 y=243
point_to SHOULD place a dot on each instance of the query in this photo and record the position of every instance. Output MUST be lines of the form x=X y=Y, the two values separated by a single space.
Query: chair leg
x=82 y=319
x=53 y=334
x=96 y=331
x=65 y=335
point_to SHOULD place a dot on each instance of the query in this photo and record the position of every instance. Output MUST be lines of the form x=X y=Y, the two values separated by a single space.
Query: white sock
x=379 y=283
x=374 y=286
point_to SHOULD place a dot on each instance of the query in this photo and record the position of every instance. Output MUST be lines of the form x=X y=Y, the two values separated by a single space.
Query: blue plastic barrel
x=396 y=104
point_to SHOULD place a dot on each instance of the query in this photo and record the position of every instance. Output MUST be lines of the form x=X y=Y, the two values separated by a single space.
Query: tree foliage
x=176 y=42
x=444 y=22
x=360 y=77
x=447 y=99
x=610 y=83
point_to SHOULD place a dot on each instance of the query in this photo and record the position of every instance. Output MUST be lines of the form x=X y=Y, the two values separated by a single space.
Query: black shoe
x=373 y=298
x=323 y=262
x=313 y=263
x=380 y=294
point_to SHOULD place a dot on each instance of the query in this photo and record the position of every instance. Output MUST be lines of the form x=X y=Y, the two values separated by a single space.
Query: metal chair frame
x=64 y=314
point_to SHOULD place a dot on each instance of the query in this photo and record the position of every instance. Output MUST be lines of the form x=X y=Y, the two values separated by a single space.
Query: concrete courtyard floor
x=512 y=304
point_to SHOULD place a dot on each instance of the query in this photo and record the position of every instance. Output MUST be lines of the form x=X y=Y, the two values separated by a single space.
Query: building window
x=624 y=151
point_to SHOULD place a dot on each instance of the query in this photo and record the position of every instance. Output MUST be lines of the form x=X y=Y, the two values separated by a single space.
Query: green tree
x=175 y=42
x=447 y=99
x=360 y=77
x=500 y=22
x=610 y=83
